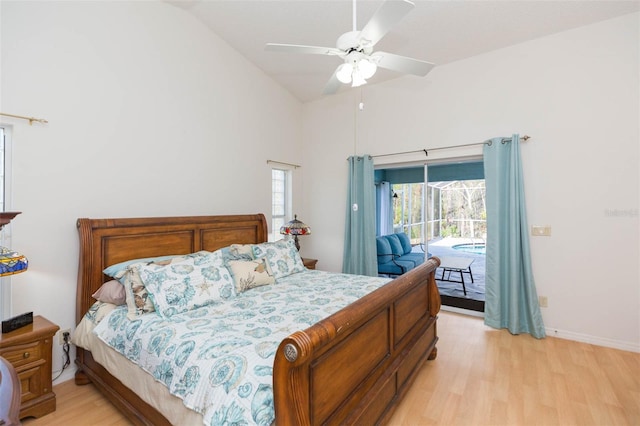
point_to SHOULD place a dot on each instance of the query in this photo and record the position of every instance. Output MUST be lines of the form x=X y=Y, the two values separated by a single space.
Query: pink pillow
x=111 y=292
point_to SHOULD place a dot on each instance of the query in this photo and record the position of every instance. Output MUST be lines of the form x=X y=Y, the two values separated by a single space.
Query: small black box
x=16 y=322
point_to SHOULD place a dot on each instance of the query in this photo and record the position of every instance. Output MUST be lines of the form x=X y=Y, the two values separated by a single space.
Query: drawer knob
x=26 y=355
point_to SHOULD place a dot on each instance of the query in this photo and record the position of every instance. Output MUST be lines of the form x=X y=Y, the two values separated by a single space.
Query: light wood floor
x=481 y=377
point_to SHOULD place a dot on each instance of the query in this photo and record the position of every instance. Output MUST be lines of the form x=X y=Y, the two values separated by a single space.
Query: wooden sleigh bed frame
x=350 y=368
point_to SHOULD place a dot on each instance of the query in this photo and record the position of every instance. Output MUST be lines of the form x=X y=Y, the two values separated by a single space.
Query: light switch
x=541 y=231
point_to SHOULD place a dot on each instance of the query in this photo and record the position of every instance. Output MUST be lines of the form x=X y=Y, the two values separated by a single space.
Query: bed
x=351 y=367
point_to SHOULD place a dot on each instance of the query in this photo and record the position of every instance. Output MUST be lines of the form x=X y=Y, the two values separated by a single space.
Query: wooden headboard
x=104 y=242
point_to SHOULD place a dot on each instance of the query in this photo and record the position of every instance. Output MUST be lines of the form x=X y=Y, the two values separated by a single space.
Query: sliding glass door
x=441 y=207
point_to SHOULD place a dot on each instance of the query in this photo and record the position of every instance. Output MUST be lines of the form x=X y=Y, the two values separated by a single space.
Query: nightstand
x=28 y=349
x=309 y=263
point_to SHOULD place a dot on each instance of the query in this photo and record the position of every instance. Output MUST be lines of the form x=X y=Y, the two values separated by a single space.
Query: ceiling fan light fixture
x=343 y=73
x=367 y=68
x=358 y=80
x=356 y=48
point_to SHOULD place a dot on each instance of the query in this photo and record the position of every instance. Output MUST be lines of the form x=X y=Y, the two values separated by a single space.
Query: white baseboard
x=594 y=340
x=68 y=374
x=563 y=334
x=462 y=311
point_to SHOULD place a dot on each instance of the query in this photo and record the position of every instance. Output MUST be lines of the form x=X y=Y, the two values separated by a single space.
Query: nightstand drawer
x=31 y=383
x=23 y=354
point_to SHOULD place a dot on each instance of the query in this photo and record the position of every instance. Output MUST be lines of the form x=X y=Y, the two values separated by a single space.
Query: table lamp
x=12 y=262
x=295 y=227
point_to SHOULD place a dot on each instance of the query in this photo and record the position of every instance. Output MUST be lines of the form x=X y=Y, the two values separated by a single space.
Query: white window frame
x=279 y=220
x=5 y=204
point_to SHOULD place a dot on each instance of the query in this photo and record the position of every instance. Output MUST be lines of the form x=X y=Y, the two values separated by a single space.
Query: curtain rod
x=426 y=154
x=295 y=166
x=31 y=119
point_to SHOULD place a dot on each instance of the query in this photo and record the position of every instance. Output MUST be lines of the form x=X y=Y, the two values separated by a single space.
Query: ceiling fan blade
x=401 y=63
x=389 y=14
x=296 y=48
x=332 y=85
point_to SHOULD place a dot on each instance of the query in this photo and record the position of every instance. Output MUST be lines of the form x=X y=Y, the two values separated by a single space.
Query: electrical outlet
x=543 y=302
x=541 y=231
x=61 y=335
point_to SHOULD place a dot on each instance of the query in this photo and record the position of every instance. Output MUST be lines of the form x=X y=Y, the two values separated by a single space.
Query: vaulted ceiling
x=436 y=31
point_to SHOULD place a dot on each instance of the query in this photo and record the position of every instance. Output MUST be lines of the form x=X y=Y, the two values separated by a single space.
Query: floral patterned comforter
x=219 y=359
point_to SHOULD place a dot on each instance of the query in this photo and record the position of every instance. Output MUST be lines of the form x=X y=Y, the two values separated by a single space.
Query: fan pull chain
x=356 y=112
x=355 y=132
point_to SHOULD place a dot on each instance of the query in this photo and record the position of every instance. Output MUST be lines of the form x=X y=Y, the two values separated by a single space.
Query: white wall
x=149 y=114
x=577 y=94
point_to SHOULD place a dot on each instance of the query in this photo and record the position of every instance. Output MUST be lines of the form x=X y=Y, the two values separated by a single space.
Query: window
x=5 y=288
x=2 y=169
x=280 y=201
x=409 y=210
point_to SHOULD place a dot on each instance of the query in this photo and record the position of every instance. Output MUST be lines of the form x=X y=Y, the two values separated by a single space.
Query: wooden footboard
x=353 y=367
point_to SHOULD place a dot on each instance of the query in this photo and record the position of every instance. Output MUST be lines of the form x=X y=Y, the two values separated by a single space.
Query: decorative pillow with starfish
x=188 y=284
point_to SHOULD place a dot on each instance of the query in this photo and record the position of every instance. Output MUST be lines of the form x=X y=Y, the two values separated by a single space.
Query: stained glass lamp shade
x=11 y=262
x=295 y=228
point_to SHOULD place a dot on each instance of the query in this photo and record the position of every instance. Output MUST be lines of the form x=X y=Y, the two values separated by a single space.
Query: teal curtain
x=511 y=297
x=384 y=209
x=360 y=225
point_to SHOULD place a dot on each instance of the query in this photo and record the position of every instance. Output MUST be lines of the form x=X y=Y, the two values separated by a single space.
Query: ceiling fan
x=356 y=49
